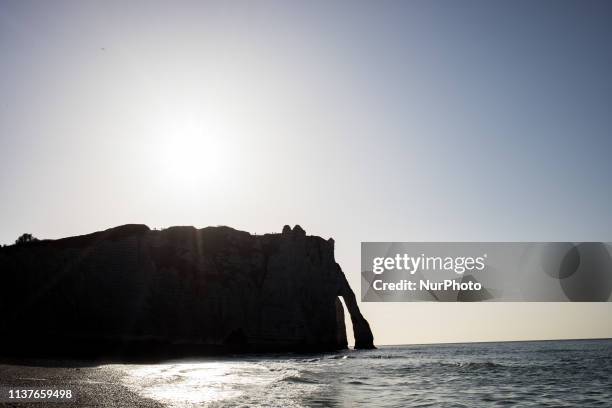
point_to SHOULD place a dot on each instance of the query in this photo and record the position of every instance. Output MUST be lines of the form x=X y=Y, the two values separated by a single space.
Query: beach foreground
x=94 y=386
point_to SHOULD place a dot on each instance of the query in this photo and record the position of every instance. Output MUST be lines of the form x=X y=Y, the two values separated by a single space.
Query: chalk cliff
x=132 y=290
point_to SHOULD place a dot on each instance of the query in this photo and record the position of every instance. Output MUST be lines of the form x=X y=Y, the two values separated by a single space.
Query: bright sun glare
x=195 y=154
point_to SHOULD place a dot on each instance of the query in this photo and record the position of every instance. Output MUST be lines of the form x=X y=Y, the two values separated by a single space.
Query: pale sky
x=361 y=121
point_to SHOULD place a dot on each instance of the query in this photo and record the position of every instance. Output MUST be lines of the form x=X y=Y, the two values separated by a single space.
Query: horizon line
x=495 y=341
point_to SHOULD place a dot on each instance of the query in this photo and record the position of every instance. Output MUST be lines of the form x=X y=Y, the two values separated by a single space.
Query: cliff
x=131 y=290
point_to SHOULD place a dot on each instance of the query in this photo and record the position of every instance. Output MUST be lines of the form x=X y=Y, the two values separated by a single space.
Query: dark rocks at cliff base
x=131 y=291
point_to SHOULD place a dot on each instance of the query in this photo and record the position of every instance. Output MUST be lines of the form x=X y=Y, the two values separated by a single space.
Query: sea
x=517 y=374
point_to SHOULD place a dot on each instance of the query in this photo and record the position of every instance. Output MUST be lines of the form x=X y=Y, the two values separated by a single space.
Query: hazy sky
x=362 y=121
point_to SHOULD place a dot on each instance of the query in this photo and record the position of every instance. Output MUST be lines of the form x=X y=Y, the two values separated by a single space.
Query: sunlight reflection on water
x=187 y=384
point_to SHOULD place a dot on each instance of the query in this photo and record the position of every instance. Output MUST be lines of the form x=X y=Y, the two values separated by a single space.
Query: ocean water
x=524 y=374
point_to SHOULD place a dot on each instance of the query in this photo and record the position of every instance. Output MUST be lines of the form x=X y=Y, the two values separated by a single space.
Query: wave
x=446 y=366
x=298 y=379
x=480 y=365
x=310 y=360
x=339 y=357
x=386 y=356
x=369 y=356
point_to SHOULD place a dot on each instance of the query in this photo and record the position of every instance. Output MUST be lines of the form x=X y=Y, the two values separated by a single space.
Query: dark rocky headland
x=134 y=292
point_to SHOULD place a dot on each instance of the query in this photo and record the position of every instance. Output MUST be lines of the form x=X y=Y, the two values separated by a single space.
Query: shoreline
x=539 y=372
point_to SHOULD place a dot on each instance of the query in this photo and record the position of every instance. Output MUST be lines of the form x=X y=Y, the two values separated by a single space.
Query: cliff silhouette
x=131 y=291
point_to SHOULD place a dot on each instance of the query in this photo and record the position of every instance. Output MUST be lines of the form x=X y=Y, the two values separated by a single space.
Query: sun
x=196 y=154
